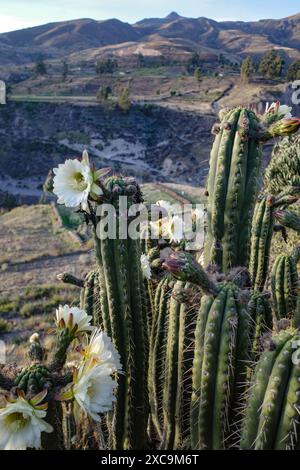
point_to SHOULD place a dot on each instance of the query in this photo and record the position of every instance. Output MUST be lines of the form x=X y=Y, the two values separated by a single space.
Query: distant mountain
x=240 y=37
x=83 y=34
x=232 y=37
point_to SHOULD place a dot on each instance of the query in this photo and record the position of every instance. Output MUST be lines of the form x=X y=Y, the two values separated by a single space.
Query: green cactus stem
x=263 y=226
x=271 y=417
x=63 y=341
x=170 y=363
x=157 y=347
x=222 y=348
x=123 y=316
x=68 y=278
x=233 y=183
x=261 y=237
x=260 y=311
x=232 y=189
x=90 y=299
x=285 y=286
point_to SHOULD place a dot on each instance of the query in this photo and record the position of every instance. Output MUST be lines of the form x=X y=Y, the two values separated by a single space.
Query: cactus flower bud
x=288 y=219
x=284 y=127
x=184 y=267
x=34 y=338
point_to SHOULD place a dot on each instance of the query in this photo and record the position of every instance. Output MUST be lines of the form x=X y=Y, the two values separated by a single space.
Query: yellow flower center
x=80 y=184
x=17 y=420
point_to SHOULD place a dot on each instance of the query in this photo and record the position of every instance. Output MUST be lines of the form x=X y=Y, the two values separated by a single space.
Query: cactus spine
x=271 y=419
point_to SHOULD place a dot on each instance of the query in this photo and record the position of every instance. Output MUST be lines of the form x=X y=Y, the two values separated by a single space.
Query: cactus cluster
x=209 y=353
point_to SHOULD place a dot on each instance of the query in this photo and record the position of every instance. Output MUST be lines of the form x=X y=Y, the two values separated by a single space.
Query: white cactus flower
x=146 y=268
x=164 y=205
x=93 y=390
x=74 y=181
x=22 y=423
x=103 y=351
x=285 y=111
x=73 y=318
x=176 y=229
x=281 y=111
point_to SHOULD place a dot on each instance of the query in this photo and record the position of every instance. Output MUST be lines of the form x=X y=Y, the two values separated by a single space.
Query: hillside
x=56 y=40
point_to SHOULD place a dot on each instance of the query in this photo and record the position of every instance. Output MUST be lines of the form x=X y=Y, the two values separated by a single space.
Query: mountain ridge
x=57 y=39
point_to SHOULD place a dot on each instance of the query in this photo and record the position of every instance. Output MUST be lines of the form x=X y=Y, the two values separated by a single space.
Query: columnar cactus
x=232 y=188
x=285 y=285
x=157 y=346
x=123 y=315
x=260 y=311
x=263 y=226
x=233 y=181
x=272 y=414
x=261 y=237
x=222 y=348
x=170 y=362
x=178 y=380
x=90 y=299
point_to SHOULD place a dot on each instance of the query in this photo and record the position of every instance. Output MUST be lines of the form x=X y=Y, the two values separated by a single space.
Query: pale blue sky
x=16 y=14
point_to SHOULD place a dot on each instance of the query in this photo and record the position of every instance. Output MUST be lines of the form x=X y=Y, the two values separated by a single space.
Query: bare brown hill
x=241 y=38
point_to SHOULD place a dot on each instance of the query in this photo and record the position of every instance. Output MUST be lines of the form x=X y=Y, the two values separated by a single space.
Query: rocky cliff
x=151 y=142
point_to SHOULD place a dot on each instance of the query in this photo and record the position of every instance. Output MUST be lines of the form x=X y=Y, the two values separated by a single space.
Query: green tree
x=271 y=65
x=141 y=60
x=103 y=93
x=124 y=101
x=198 y=75
x=40 y=68
x=294 y=71
x=106 y=66
x=65 y=70
x=193 y=63
x=248 y=68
